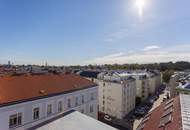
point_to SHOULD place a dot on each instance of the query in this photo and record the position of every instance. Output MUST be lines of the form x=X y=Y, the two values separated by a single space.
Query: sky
x=72 y=32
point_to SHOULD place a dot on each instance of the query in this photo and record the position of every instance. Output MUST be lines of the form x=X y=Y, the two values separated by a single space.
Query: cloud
x=152 y=47
x=130 y=52
x=117 y=35
x=174 y=54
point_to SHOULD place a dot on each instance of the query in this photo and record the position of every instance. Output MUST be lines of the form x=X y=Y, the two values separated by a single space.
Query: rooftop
x=185 y=111
x=89 y=74
x=184 y=86
x=72 y=121
x=165 y=117
x=14 y=89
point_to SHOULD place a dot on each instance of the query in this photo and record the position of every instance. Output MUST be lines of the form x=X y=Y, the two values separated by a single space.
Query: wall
x=129 y=97
x=152 y=84
x=142 y=86
x=27 y=108
x=173 y=84
x=118 y=98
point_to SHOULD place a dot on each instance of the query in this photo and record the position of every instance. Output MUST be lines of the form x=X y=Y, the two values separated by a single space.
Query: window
x=165 y=120
x=91 y=109
x=69 y=103
x=92 y=96
x=124 y=92
x=143 y=83
x=60 y=106
x=103 y=102
x=82 y=98
x=76 y=101
x=36 y=113
x=49 y=109
x=15 y=120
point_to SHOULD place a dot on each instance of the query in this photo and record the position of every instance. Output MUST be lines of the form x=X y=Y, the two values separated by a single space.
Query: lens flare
x=140 y=4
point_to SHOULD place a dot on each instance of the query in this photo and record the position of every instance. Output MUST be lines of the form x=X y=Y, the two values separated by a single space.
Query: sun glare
x=140 y=4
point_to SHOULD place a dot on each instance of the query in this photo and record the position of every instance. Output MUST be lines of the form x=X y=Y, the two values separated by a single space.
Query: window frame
x=68 y=103
x=60 y=106
x=92 y=96
x=36 y=113
x=15 y=120
x=76 y=101
x=91 y=108
x=49 y=109
x=83 y=100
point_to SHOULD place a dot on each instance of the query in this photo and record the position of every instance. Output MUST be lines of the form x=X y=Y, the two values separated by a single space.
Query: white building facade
x=116 y=96
x=23 y=114
x=154 y=82
x=173 y=83
x=142 y=85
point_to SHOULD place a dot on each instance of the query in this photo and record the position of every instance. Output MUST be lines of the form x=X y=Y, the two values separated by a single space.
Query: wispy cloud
x=174 y=54
x=117 y=35
x=151 y=47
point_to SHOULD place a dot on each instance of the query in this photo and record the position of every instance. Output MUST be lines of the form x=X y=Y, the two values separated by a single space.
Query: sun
x=140 y=4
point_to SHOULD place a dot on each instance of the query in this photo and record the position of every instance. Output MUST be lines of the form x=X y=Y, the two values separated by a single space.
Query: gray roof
x=185 y=111
x=73 y=121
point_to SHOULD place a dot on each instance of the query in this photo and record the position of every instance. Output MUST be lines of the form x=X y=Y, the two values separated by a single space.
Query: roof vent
x=42 y=91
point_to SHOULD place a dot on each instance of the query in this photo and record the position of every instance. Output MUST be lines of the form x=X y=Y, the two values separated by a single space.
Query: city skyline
x=83 y=32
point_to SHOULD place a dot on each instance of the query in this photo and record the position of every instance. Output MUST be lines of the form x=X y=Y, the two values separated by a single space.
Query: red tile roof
x=28 y=87
x=156 y=115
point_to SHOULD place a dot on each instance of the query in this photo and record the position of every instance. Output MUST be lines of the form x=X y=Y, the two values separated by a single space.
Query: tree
x=167 y=74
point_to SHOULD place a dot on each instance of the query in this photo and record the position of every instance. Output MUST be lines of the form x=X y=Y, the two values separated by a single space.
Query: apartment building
x=28 y=100
x=142 y=85
x=116 y=95
x=173 y=83
x=154 y=79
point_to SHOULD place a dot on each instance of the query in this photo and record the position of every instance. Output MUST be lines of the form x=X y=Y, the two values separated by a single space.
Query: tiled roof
x=166 y=115
x=28 y=87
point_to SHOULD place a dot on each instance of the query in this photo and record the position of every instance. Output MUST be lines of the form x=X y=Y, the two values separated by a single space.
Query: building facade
x=154 y=80
x=173 y=83
x=59 y=95
x=116 y=95
x=142 y=85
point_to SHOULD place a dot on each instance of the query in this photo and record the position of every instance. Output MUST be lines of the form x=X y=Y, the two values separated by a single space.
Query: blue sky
x=65 y=32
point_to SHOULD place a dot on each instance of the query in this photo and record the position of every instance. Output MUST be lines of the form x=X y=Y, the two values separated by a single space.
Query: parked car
x=149 y=102
x=107 y=118
x=155 y=97
x=147 y=107
x=140 y=113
